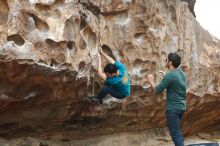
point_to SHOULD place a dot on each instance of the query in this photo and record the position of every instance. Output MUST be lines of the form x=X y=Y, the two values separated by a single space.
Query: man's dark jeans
x=173 y=122
x=109 y=90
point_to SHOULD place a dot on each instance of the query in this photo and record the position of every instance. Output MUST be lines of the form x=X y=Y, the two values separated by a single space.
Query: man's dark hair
x=175 y=59
x=110 y=68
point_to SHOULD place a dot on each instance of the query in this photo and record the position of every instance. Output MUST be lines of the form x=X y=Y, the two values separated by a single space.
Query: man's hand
x=100 y=50
x=162 y=73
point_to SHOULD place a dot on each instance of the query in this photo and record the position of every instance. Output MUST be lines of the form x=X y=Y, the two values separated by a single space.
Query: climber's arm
x=99 y=71
x=108 y=58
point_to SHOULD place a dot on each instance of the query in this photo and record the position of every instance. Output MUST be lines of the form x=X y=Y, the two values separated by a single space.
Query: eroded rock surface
x=48 y=58
x=191 y=4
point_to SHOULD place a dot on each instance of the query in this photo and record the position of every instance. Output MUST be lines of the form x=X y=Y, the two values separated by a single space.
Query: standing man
x=175 y=84
x=117 y=80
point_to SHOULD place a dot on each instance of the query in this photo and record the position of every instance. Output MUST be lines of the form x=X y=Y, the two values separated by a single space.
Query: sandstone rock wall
x=48 y=59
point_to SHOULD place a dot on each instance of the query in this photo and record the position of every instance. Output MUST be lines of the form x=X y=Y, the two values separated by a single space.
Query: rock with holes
x=48 y=62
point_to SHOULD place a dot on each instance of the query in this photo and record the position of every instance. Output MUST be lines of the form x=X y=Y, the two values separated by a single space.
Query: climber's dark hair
x=110 y=68
x=175 y=59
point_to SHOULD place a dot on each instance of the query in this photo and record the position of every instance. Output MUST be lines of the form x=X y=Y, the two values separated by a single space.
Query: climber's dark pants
x=109 y=90
x=173 y=122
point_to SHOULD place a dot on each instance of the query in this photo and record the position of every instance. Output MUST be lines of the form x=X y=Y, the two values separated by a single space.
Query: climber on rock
x=175 y=84
x=117 y=80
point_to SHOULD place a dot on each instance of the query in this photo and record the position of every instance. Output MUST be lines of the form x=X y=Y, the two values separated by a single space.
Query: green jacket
x=175 y=84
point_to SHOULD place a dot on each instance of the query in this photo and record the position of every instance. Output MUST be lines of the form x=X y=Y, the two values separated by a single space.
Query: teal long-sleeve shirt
x=175 y=84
